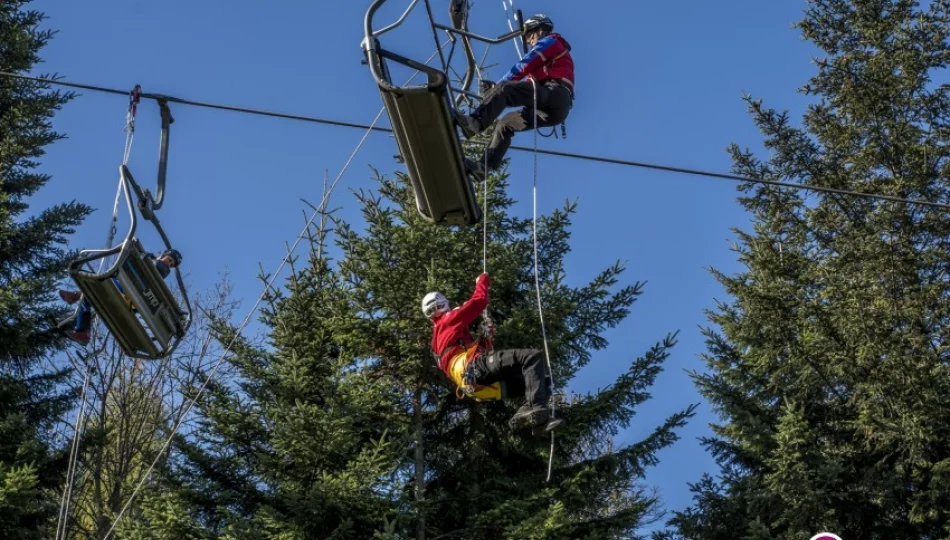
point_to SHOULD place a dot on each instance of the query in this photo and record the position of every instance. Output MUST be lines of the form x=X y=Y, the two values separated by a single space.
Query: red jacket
x=450 y=331
x=550 y=58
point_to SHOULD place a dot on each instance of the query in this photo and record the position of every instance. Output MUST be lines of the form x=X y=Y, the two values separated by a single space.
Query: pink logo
x=825 y=536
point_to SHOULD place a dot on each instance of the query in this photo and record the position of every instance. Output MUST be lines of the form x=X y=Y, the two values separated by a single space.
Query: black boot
x=476 y=169
x=470 y=125
x=529 y=417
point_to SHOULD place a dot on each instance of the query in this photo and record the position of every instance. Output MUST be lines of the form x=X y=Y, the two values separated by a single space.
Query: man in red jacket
x=548 y=62
x=485 y=374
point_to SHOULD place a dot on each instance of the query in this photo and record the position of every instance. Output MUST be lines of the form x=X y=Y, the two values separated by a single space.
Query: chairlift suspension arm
x=458 y=12
x=163 y=153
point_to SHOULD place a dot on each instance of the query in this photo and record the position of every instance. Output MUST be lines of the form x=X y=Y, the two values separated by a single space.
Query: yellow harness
x=458 y=364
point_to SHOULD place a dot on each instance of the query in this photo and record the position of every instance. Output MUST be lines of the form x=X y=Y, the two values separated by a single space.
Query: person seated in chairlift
x=548 y=62
x=484 y=374
x=82 y=320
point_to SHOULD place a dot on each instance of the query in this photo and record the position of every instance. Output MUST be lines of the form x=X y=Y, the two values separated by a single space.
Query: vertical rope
x=485 y=218
x=62 y=521
x=511 y=28
x=537 y=279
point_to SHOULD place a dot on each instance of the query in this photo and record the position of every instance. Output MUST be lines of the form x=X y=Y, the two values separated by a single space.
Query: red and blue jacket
x=550 y=58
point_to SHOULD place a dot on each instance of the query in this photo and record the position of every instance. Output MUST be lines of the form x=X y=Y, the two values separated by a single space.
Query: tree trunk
x=420 y=465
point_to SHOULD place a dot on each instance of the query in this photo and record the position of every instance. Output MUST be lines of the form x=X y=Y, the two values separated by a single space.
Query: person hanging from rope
x=82 y=320
x=482 y=373
x=548 y=62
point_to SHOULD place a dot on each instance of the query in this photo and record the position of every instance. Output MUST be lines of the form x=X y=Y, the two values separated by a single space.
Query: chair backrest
x=429 y=145
x=153 y=327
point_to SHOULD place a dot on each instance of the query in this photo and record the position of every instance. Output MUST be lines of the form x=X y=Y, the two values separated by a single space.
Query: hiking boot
x=476 y=169
x=529 y=416
x=81 y=338
x=70 y=297
x=547 y=427
x=470 y=126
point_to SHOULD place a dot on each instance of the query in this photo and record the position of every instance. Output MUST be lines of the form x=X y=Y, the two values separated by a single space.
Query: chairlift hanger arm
x=163 y=153
x=458 y=12
x=398 y=22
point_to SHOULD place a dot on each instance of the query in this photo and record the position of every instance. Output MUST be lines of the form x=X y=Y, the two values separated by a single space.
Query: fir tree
x=475 y=478
x=32 y=257
x=830 y=366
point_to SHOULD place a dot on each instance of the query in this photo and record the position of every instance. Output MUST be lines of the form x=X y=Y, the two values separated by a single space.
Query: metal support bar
x=398 y=21
x=468 y=93
x=493 y=41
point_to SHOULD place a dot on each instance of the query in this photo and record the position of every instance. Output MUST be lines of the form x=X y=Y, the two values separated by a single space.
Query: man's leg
x=83 y=316
x=554 y=104
x=499 y=98
x=518 y=369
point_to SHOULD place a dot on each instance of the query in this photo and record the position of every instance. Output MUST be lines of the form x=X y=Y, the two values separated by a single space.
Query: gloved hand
x=485 y=86
x=483 y=275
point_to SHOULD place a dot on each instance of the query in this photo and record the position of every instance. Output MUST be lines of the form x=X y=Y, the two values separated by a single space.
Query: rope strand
x=537 y=279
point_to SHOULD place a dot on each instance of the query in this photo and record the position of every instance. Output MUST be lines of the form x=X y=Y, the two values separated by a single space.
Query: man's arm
x=546 y=48
x=472 y=308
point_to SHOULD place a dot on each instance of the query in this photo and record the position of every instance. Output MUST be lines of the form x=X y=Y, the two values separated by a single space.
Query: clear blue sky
x=656 y=81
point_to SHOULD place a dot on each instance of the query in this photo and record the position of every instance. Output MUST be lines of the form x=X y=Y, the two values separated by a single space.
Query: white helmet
x=434 y=304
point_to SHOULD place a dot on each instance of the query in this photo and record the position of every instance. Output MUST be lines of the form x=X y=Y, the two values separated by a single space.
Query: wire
x=571 y=155
x=246 y=320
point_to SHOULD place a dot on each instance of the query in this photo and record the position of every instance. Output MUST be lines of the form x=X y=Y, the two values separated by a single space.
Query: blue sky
x=656 y=81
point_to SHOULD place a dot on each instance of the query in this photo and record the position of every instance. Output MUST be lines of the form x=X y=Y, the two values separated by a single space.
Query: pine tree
x=294 y=439
x=342 y=426
x=467 y=474
x=32 y=257
x=830 y=366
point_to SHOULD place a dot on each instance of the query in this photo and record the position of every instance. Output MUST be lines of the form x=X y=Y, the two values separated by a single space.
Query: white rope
x=485 y=217
x=537 y=280
x=511 y=28
x=61 y=523
x=247 y=319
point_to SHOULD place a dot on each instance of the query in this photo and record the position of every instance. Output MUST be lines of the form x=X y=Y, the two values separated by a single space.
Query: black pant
x=522 y=372
x=554 y=104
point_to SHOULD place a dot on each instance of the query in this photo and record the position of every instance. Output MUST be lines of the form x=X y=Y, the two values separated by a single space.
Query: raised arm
x=470 y=310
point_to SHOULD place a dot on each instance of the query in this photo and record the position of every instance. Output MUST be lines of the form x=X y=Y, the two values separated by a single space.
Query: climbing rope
x=511 y=28
x=135 y=97
x=537 y=280
x=487 y=327
x=267 y=287
x=62 y=521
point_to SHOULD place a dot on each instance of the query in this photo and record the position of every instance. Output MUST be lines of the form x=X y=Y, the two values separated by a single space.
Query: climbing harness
x=130 y=296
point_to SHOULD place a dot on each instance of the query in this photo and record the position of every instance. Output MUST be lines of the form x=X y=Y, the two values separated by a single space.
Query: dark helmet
x=538 y=21
x=174 y=254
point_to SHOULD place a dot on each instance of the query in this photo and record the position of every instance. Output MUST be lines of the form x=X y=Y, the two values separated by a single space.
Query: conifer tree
x=475 y=478
x=830 y=363
x=32 y=258
x=342 y=426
